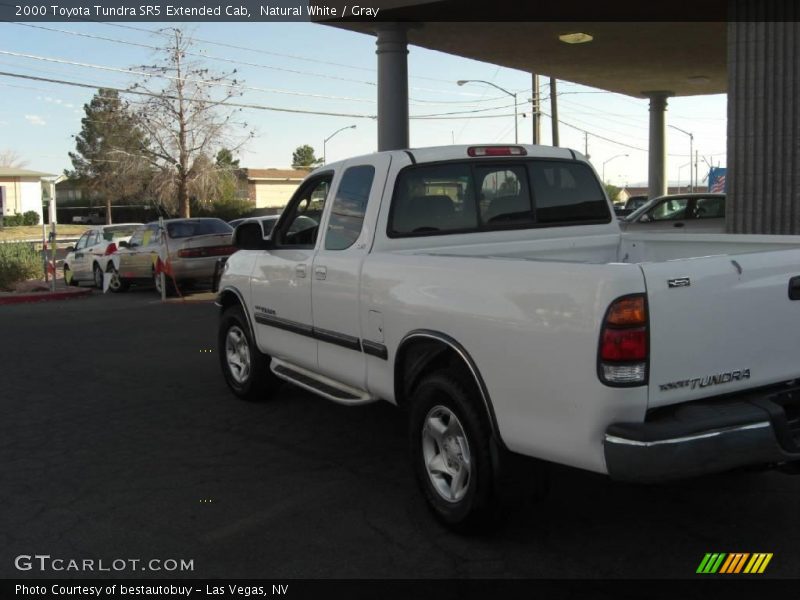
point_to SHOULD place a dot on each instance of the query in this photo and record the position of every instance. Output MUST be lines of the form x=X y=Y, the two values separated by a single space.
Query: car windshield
x=120 y=231
x=192 y=227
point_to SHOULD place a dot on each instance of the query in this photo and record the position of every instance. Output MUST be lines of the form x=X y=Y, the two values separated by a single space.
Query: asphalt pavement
x=119 y=440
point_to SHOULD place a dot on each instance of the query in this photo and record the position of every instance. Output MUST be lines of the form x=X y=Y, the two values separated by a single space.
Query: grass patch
x=18 y=262
x=34 y=232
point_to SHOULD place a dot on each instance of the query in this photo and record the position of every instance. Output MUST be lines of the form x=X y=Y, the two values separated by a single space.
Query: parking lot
x=120 y=440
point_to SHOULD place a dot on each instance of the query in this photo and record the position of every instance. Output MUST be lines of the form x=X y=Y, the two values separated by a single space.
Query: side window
x=709 y=208
x=349 y=207
x=432 y=199
x=305 y=211
x=668 y=210
x=503 y=195
x=567 y=191
x=137 y=238
x=82 y=241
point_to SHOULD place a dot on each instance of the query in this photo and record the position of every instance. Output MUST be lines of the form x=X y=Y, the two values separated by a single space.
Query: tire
x=172 y=289
x=117 y=284
x=73 y=282
x=97 y=273
x=450 y=443
x=245 y=368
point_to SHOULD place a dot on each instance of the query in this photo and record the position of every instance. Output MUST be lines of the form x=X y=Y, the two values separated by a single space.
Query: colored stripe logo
x=734 y=563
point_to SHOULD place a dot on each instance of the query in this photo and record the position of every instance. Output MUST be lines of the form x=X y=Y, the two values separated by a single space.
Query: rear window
x=192 y=227
x=121 y=231
x=479 y=196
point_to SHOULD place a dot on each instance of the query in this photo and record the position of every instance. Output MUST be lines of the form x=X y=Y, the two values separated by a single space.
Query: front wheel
x=69 y=278
x=245 y=368
x=450 y=449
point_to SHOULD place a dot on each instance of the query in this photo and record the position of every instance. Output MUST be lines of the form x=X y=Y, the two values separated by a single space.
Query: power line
x=239 y=62
x=168 y=97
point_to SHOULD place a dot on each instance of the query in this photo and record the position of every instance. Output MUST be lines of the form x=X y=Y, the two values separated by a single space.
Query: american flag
x=719 y=184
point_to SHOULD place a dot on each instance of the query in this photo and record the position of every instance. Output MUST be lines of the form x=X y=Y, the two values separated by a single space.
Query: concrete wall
x=763 y=117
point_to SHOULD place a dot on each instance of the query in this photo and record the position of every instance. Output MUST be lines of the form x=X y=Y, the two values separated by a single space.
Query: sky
x=319 y=68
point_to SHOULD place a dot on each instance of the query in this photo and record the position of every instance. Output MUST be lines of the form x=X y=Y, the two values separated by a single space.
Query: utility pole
x=554 y=110
x=536 y=121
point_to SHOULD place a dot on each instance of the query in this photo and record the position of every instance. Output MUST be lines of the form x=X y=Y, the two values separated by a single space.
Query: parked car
x=85 y=260
x=489 y=292
x=93 y=218
x=190 y=248
x=631 y=204
x=696 y=212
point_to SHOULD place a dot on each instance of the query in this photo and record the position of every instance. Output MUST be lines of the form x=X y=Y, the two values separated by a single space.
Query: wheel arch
x=230 y=296
x=422 y=351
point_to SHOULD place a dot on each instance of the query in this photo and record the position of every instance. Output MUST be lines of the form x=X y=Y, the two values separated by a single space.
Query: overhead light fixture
x=576 y=38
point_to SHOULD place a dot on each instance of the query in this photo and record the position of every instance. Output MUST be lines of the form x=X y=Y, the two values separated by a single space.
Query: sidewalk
x=37 y=290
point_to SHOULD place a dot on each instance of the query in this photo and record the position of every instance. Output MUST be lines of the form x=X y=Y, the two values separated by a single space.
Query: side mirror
x=249 y=236
x=645 y=218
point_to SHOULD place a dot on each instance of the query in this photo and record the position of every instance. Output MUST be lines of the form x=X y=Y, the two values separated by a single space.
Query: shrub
x=30 y=217
x=14 y=220
x=18 y=261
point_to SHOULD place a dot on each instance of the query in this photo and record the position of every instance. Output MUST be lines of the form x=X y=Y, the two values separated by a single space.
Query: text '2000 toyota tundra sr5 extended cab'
x=489 y=291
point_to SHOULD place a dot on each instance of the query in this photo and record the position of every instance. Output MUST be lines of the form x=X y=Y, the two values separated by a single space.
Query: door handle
x=320 y=272
x=679 y=224
x=300 y=271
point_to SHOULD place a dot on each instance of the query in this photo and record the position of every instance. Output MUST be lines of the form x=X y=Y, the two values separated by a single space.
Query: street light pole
x=325 y=142
x=505 y=91
x=692 y=181
x=608 y=161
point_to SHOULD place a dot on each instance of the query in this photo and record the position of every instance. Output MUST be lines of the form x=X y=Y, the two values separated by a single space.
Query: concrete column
x=657 y=157
x=392 y=51
x=763 y=177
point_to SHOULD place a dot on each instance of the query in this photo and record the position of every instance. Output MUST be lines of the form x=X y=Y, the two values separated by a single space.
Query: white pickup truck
x=489 y=291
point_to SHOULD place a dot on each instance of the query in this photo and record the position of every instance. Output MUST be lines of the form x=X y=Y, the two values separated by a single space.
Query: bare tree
x=12 y=158
x=187 y=119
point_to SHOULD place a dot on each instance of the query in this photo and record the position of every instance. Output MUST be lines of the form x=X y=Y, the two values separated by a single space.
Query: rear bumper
x=710 y=436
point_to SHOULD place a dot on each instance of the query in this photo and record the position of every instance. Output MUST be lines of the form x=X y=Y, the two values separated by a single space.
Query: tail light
x=110 y=249
x=210 y=251
x=496 y=151
x=623 y=355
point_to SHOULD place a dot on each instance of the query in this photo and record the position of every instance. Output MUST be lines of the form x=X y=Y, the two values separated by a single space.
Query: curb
x=43 y=296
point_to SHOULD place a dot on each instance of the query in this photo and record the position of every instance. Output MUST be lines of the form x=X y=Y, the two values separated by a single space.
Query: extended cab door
x=281 y=280
x=349 y=229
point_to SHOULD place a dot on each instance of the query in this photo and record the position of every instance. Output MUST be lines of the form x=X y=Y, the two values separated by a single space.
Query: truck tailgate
x=732 y=327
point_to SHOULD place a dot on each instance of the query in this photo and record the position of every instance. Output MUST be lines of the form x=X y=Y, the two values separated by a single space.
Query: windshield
x=191 y=227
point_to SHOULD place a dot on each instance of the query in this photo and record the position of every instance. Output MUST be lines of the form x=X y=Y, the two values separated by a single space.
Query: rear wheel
x=116 y=284
x=245 y=368
x=450 y=449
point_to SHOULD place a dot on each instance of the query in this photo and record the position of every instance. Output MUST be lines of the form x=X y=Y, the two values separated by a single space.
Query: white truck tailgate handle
x=300 y=271
x=320 y=272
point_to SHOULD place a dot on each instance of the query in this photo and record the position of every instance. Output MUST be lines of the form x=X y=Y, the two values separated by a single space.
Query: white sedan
x=83 y=260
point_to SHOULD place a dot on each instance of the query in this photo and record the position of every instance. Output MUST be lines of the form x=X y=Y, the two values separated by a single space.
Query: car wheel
x=450 y=449
x=172 y=289
x=72 y=281
x=98 y=276
x=245 y=368
x=116 y=284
